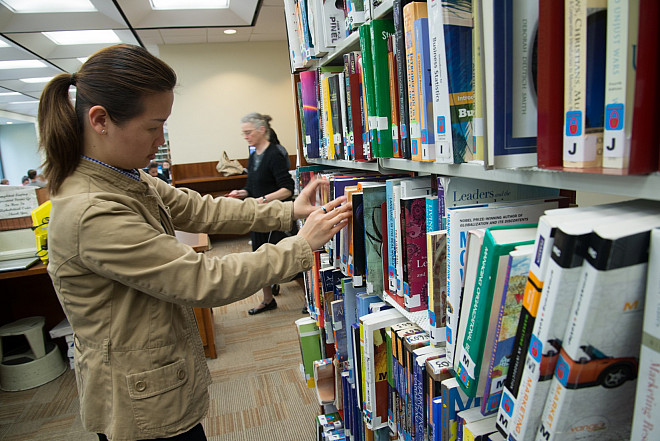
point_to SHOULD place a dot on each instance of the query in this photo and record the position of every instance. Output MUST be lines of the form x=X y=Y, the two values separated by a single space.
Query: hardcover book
x=499 y=241
x=415 y=283
x=369 y=88
x=309 y=86
x=380 y=30
x=511 y=114
x=454 y=401
x=423 y=55
x=412 y=12
x=402 y=77
x=394 y=94
x=372 y=198
x=584 y=79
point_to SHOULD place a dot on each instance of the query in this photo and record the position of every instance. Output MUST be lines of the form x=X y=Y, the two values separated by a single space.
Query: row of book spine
x=502 y=254
x=502 y=82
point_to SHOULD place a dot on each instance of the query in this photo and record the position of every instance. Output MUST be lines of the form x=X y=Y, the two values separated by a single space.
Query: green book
x=369 y=89
x=499 y=241
x=380 y=30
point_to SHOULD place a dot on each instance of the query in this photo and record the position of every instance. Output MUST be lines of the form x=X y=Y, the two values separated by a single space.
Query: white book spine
x=646 y=419
x=440 y=86
x=622 y=19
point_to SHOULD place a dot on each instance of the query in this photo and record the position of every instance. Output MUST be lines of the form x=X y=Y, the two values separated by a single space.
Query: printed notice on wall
x=17 y=201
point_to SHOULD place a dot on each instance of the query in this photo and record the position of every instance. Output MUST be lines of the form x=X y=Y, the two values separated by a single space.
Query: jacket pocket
x=157 y=396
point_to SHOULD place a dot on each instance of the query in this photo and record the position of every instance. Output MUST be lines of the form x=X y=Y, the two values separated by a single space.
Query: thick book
x=339 y=330
x=622 y=32
x=423 y=55
x=309 y=86
x=436 y=249
x=585 y=30
x=511 y=115
x=475 y=240
x=594 y=379
x=647 y=405
x=336 y=111
x=394 y=94
x=369 y=87
x=545 y=236
x=355 y=97
x=380 y=30
x=499 y=241
x=413 y=229
x=561 y=278
x=452 y=31
x=411 y=13
x=454 y=401
x=550 y=80
x=507 y=323
x=462 y=219
x=420 y=374
x=372 y=198
x=402 y=77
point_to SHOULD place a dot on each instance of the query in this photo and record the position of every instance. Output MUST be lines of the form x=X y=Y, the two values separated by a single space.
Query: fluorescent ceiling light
x=10 y=122
x=36 y=80
x=40 y=6
x=189 y=4
x=82 y=59
x=24 y=102
x=9 y=93
x=230 y=31
x=21 y=64
x=66 y=38
x=4 y=44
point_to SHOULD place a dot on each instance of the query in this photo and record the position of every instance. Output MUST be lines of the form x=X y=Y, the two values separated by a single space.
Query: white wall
x=220 y=83
x=19 y=150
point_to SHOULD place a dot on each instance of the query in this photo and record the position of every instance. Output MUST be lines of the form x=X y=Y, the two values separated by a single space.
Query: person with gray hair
x=268 y=179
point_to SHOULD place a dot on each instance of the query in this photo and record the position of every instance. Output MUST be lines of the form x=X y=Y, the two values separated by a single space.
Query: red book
x=645 y=140
x=415 y=274
x=550 y=83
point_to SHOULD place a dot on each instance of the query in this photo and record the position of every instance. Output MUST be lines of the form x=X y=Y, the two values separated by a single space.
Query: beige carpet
x=257 y=393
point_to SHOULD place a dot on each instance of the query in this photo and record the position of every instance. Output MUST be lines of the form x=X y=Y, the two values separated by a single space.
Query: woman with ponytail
x=126 y=284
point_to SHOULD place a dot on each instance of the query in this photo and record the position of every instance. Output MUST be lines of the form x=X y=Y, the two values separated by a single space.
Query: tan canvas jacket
x=128 y=286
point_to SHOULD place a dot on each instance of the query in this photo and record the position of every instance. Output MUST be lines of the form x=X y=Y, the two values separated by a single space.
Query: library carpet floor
x=257 y=391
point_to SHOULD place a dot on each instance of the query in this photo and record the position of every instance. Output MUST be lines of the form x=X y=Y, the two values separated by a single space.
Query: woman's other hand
x=240 y=194
x=305 y=203
x=326 y=221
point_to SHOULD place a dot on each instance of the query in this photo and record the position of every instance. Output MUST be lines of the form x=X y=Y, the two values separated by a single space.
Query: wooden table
x=200 y=243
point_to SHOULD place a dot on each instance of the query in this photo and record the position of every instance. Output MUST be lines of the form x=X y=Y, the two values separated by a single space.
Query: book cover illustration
x=415 y=285
x=372 y=197
x=509 y=314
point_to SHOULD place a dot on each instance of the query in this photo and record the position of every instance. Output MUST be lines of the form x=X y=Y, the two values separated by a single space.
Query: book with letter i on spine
x=598 y=362
x=647 y=404
x=499 y=241
x=507 y=323
x=584 y=82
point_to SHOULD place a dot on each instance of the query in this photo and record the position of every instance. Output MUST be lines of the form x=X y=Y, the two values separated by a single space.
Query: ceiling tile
x=271 y=21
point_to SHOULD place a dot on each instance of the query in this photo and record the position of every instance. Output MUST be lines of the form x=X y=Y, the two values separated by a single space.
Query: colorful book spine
x=415 y=283
x=336 y=112
x=584 y=79
x=412 y=12
x=372 y=198
x=505 y=333
x=356 y=106
x=454 y=400
x=423 y=55
x=402 y=77
x=380 y=30
x=493 y=255
x=478 y=129
x=394 y=95
x=432 y=218
x=309 y=86
x=622 y=31
x=369 y=87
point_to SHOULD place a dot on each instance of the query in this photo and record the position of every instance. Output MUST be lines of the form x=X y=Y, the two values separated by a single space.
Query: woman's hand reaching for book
x=326 y=221
x=305 y=203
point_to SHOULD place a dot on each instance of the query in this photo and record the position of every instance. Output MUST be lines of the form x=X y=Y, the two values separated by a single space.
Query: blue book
x=350 y=317
x=432 y=214
x=363 y=301
x=339 y=329
x=435 y=432
x=454 y=400
x=426 y=116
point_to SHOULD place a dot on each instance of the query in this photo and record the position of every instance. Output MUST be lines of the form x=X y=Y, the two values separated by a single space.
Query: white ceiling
x=134 y=21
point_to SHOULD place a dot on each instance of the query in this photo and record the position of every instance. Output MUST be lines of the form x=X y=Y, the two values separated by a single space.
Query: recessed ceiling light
x=37 y=6
x=21 y=64
x=230 y=31
x=66 y=38
x=36 y=80
x=188 y=4
x=9 y=93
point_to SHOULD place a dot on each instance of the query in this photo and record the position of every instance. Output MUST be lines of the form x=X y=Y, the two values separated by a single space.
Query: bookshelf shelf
x=370 y=166
x=420 y=317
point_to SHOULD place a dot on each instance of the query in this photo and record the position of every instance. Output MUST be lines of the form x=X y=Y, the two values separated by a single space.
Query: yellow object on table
x=40 y=218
